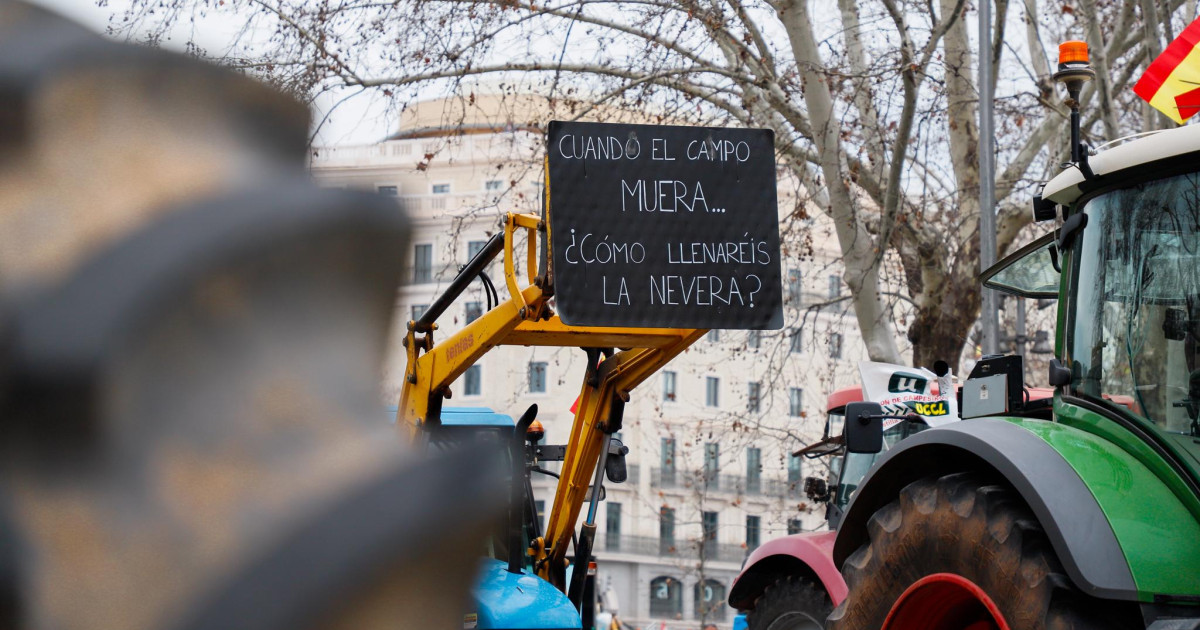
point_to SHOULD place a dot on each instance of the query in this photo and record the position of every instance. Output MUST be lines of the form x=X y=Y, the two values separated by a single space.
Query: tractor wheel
x=791 y=603
x=957 y=553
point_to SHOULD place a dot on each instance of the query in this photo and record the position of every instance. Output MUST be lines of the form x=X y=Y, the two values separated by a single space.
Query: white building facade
x=711 y=436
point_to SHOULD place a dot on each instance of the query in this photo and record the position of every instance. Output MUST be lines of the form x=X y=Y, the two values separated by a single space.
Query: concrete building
x=710 y=436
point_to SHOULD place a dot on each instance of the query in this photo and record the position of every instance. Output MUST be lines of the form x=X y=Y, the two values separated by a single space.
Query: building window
x=753 y=397
x=713 y=336
x=389 y=191
x=753 y=532
x=710 y=600
x=794 y=526
x=835 y=287
x=418 y=310
x=666 y=530
x=668 y=386
x=473 y=381
x=797 y=341
x=423 y=263
x=708 y=526
x=754 y=339
x=795 y=473
x=441 y=189
x=795 y=286
x=537 y=377
x=712 y=391
x=493 y=185
x=712 y=464
x=835 y=345
x=667 y=468
x=474 y=247
x=474 y=311
x=753 y=470
x=795 y=402
x=612 y=531
x=666 y=597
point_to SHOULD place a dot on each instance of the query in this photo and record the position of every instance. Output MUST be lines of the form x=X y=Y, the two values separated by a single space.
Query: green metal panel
x=1157 y=527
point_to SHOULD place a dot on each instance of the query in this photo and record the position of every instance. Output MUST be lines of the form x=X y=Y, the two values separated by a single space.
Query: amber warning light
x=1072 y=52
x=535 y=432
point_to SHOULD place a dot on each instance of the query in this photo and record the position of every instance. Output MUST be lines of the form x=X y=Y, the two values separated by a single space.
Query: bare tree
x=873 y=104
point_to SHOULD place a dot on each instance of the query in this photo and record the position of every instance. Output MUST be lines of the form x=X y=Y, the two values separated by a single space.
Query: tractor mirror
x=864 y=427
x=614 y=466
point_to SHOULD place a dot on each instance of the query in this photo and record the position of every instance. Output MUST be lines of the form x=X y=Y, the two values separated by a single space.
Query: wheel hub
x=944 y=601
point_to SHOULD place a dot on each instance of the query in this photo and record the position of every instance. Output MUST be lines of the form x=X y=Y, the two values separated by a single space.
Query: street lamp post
x=987 y=178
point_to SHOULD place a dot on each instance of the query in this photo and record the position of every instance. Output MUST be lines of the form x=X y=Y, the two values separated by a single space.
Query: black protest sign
x=657 y=226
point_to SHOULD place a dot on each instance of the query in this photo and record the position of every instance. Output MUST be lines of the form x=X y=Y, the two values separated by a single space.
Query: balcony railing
x=664 y=548
x=407 y=152
x=731 y=484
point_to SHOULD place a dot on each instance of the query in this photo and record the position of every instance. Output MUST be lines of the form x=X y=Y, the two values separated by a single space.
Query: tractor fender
x=1006 y=452
x=808 y=555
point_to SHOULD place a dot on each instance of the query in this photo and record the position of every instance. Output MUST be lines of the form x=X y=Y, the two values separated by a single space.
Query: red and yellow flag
x=1172 y=82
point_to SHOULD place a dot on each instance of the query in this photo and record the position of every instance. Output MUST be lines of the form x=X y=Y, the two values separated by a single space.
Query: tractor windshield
x=456 y=436
x=1136 y=319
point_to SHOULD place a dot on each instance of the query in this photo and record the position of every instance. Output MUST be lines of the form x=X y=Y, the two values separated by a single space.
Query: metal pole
x=987 y=179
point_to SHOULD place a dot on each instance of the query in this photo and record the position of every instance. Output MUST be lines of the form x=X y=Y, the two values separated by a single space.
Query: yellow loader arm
x=526 y=319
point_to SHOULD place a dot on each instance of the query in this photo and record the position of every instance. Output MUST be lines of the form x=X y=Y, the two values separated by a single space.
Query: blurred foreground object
x=190 y=335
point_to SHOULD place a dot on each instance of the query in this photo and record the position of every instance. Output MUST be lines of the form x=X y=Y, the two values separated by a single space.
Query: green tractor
x=1083 y=512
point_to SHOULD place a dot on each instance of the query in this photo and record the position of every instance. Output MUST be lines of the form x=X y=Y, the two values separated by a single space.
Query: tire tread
x=983 y=531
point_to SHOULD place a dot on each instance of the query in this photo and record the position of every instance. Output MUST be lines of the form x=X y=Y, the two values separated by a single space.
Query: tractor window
x=1136 y=331
x=837 y=421
x=1031 y=271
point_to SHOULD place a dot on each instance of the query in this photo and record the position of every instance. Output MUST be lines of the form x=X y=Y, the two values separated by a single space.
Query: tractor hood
x=504 y=600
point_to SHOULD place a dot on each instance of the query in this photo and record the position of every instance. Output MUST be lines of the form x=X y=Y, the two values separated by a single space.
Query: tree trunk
x=939 y=334
x=858 y=247
x=941 y=279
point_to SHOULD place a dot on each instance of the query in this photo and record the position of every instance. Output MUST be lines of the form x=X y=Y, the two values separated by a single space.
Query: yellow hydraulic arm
x=526 y=319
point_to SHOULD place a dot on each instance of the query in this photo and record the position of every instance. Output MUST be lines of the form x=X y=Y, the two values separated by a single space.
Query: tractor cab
x=506 y=566
x=1129 y=251
x=856 y=465
x=847 y=469
x=464 y=427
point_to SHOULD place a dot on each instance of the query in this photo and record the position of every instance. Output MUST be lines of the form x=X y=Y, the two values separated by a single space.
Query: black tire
x=791 y=603
x=983 y=532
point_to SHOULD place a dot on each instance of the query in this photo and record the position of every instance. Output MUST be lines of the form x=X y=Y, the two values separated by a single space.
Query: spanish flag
x=1172 y=82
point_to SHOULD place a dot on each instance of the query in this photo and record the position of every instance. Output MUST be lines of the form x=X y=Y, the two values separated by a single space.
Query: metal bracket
x=1070 y=228
x=592 y=375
